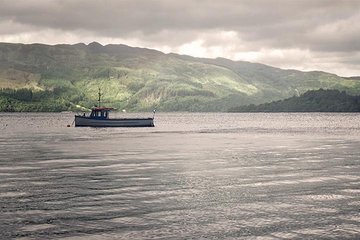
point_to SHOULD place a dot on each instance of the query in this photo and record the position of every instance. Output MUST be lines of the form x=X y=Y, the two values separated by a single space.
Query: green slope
x=140 y=79
x=311 y=101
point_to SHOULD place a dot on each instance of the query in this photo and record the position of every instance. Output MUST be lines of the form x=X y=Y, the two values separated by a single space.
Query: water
x=193 y=176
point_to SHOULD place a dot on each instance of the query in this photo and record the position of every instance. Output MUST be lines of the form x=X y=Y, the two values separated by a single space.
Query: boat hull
x=81 y=121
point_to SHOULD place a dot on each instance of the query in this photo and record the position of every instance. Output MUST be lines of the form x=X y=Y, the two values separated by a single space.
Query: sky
x=306 y=35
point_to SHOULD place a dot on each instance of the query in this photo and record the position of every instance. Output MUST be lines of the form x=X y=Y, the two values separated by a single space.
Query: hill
x=311 y=101
x=139 y=79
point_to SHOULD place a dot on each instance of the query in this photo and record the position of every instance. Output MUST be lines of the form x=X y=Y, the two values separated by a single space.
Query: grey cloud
x=253 y=19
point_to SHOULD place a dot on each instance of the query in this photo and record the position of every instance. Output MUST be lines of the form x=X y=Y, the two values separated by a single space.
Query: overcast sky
x=300 y=34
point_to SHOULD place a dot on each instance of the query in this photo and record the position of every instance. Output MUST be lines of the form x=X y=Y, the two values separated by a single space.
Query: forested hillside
x=311 y=101
x=37 y=77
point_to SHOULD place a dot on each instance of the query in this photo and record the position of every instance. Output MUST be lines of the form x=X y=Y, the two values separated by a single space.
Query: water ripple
x=235 y=176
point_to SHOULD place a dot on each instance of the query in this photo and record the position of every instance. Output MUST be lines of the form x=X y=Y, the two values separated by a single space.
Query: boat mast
x=99 y=97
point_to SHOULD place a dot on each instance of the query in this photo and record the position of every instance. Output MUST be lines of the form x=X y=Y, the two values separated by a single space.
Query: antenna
x=99 y=97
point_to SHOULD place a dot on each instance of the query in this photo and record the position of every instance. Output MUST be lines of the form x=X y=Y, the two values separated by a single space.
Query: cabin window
x=99 y=114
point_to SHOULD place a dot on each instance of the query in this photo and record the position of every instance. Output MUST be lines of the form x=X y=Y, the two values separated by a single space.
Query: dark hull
x=81 y=121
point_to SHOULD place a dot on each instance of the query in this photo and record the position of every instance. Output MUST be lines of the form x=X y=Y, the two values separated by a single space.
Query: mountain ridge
x=139 y=79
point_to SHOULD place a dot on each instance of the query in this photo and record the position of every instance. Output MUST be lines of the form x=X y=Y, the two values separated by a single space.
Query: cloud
x=276 y=32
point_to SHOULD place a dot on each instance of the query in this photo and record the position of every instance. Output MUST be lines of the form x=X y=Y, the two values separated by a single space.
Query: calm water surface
x=193 y=176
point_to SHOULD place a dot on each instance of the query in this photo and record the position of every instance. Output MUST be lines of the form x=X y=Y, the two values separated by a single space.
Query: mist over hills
x=138 y=79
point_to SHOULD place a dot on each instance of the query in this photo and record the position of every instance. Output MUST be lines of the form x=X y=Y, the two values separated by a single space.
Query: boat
x=99 y=117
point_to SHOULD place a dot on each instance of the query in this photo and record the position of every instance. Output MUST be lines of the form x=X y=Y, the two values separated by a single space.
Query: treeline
x=63 y=99
x=27 y=100
x=311 y=101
